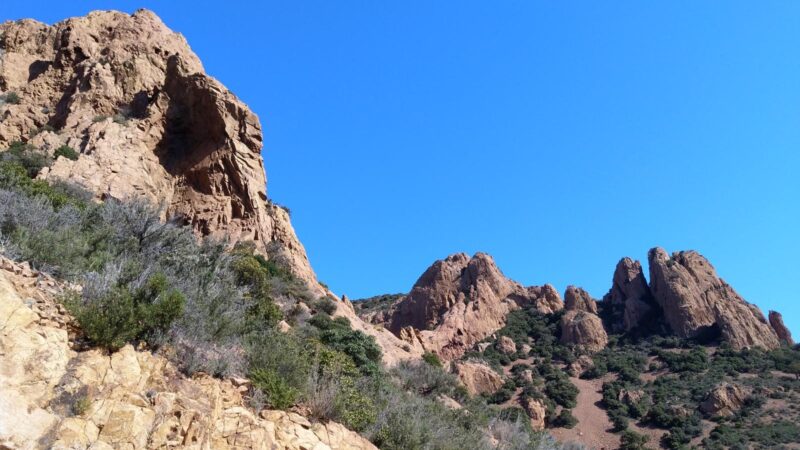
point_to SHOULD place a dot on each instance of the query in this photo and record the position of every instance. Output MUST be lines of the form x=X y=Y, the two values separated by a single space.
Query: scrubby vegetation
x=11 y=98
x=680 y=374
x=215 y=310
x=538 y=373
x=67 y=152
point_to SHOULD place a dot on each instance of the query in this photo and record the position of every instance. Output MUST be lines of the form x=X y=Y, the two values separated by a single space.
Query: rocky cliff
x=133 y=99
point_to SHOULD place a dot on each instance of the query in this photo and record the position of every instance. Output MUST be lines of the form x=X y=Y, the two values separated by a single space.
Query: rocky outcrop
x=584 y=330
x=477 y=377
x=578 y=299
x=57 y=398
x=629 y=299
x=580 y=365
x=724 y=400
x=506 y=345
x=536 y=411
x=776 y=322
x=580 y=325
x=459 y=301
x=696 y=302
x=131 y=96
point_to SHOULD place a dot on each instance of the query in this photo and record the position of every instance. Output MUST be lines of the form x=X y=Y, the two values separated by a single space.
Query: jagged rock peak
x=776 y=322
x=629 y=298
x=577 y=299
x=131 y=96
x=696 y=302
x=460 y=300
x=448 y=282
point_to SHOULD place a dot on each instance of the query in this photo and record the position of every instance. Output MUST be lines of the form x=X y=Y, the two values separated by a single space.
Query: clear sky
x=556 y=136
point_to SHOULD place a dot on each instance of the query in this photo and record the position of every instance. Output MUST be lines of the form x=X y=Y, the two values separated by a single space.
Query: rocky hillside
x=681 y=360
x=125 y=107
x=197 y=324
x=53 y=395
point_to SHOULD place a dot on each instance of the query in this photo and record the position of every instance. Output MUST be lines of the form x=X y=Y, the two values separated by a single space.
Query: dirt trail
x=593 y=428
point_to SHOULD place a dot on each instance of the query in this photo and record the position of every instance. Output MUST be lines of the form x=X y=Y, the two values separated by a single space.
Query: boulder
x=580 y=365
x=477 y=377
x=583 y=329
x=506 y=345
x=696 y=302
x=536 y=411
x=723 y=400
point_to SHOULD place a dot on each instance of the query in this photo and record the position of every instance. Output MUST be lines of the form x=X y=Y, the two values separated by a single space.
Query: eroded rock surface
x=131 y=96
x=776 y=322
x=576 y=298
x=629 y=298
x=536 y=411
x=583 y=329
x=580 y=325
x=52 y=397
x=724 y=400
x=477 y=377
x=459 y=301
x=696 y=302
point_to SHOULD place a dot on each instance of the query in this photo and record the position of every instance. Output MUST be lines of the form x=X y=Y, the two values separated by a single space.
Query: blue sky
x=556 y=136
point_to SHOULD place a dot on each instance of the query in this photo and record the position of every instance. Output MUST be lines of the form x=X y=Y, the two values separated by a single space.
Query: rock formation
x=776 y=322
x=131 y=96
x=506 y=345
x=477 y=377
x=629 y=299
x=52 y=396
x=459 y=301
x=724 y=400
x=578 y=299
x=583 y=329
x=536 y=411
x=580 y=325
x=696 y=302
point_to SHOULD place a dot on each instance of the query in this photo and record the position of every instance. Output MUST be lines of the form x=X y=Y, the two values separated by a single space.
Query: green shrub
x=324 y=304
x=29 y=157
x=278 y=391
x=12 y=98
x=81 y=405
x=122 y=316
x=565 y=419
x=337 y=334
x=67 y=152
x=631 y=440
x=695 y=360
x=432 y=359
x=121 y=119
